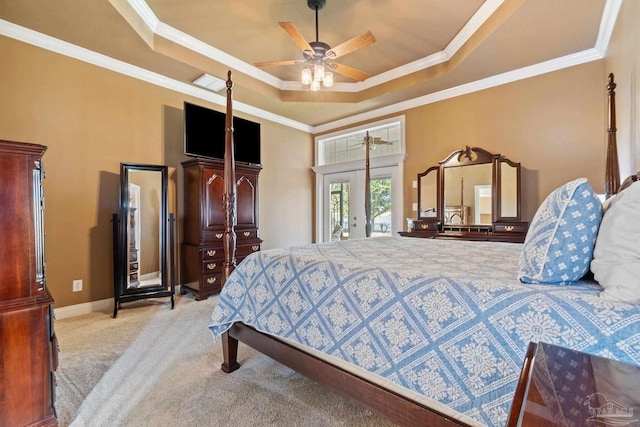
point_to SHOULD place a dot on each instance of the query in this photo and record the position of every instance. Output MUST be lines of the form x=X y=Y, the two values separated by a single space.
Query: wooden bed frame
x=393 y=406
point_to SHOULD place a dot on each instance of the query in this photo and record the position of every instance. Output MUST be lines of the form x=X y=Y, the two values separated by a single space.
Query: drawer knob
x=211 y=280
x=219 y=236
x=508 y=228
x=247 y=233
x=255 y=247
x=424 y=226
x=211 y=266
x=211 y=252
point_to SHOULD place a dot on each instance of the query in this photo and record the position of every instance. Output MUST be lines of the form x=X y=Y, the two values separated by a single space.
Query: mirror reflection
x=428 y=193
x=467 y=194
x=144 y=228
x=508 y=190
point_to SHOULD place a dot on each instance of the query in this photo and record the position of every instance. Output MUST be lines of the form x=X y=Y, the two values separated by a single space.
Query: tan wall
x=553 y=124
x=92 y=119
x=623 y=60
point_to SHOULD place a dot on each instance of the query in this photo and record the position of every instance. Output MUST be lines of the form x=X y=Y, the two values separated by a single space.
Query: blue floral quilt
x=443 y=318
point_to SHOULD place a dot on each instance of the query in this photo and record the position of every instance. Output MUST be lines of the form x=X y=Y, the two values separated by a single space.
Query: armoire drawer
x=212 y=266
x=210 y=253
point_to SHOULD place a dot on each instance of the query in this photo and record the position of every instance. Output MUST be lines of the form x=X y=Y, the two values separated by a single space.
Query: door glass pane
x=381 y=206
x=339 y=210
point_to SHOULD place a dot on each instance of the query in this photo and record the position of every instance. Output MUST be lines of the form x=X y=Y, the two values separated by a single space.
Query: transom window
x=386 y=138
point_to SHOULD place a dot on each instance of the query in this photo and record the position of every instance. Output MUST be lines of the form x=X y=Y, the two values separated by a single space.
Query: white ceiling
x=425 y=50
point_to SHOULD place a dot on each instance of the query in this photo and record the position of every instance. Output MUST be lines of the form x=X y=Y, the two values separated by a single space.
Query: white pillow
x=616 y=257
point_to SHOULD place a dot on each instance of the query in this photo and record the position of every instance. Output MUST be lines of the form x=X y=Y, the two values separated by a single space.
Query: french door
x=344 y=204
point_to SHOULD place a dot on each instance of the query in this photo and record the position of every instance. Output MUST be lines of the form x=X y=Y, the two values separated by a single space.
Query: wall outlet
x=77 y=285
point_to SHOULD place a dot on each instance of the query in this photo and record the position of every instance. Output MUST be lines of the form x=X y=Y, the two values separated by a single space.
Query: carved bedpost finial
x=612 y=171
x=611 y=86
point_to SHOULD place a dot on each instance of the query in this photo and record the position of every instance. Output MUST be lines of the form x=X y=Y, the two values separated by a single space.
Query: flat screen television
x=204 y=135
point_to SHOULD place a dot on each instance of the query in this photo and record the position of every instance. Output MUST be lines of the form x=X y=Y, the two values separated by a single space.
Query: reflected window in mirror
x=483 y=204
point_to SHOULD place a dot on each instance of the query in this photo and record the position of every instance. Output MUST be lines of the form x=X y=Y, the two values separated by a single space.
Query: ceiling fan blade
x=276 y=63
x=358 y=42
x=296 y=36
x=352 y=73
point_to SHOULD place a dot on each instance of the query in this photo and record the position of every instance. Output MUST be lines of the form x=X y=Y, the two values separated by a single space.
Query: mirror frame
x=122 y=250
x=467 y=157
x=497 y=201
x=438 y=217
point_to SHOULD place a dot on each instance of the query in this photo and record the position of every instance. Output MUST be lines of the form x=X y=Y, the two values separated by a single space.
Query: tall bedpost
x=367 y=186
x=612 y=172
x=229 y=197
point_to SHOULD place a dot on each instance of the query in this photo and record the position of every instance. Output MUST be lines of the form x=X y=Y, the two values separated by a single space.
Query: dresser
x=472 y=194
x=202 y=248
x=28 y=346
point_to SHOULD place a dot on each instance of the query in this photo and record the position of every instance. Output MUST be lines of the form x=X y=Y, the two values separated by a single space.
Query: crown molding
x=49 y=43
x=489 y=82
x=158 y=28
x=609 y=16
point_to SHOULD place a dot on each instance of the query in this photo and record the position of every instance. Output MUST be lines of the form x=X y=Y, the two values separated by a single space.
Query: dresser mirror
x=467 y=194
x=428 y=193
x=142 y=230
x=471 y=193
x=509 y=185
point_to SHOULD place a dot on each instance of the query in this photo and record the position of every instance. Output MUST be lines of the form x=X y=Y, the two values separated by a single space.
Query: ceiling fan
x=372 y=141
x=318 y=56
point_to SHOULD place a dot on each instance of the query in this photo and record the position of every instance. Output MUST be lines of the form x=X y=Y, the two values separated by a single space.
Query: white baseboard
x=104 y=305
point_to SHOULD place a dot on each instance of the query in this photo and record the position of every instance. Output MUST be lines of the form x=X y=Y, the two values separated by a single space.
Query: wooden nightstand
x=563 y=387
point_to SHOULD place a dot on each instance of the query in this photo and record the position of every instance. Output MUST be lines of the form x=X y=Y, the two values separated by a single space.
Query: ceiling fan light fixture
x=318 y=72
x=318 y=65
x=306 y=76
x=328 y=79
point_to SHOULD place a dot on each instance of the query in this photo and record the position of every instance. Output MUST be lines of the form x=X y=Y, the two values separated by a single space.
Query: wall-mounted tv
x=204 y=135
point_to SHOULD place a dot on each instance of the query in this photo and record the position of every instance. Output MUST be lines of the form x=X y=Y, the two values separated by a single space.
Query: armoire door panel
x=246 y=202
x=213 y=191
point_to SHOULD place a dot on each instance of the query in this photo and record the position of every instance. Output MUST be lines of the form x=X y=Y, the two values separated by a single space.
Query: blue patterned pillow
x=559 y=244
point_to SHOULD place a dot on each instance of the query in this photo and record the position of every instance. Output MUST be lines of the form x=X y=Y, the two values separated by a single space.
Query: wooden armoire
x=203 y=229
x=28 y=346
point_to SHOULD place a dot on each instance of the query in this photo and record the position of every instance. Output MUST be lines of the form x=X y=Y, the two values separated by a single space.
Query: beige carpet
x=153 y=366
